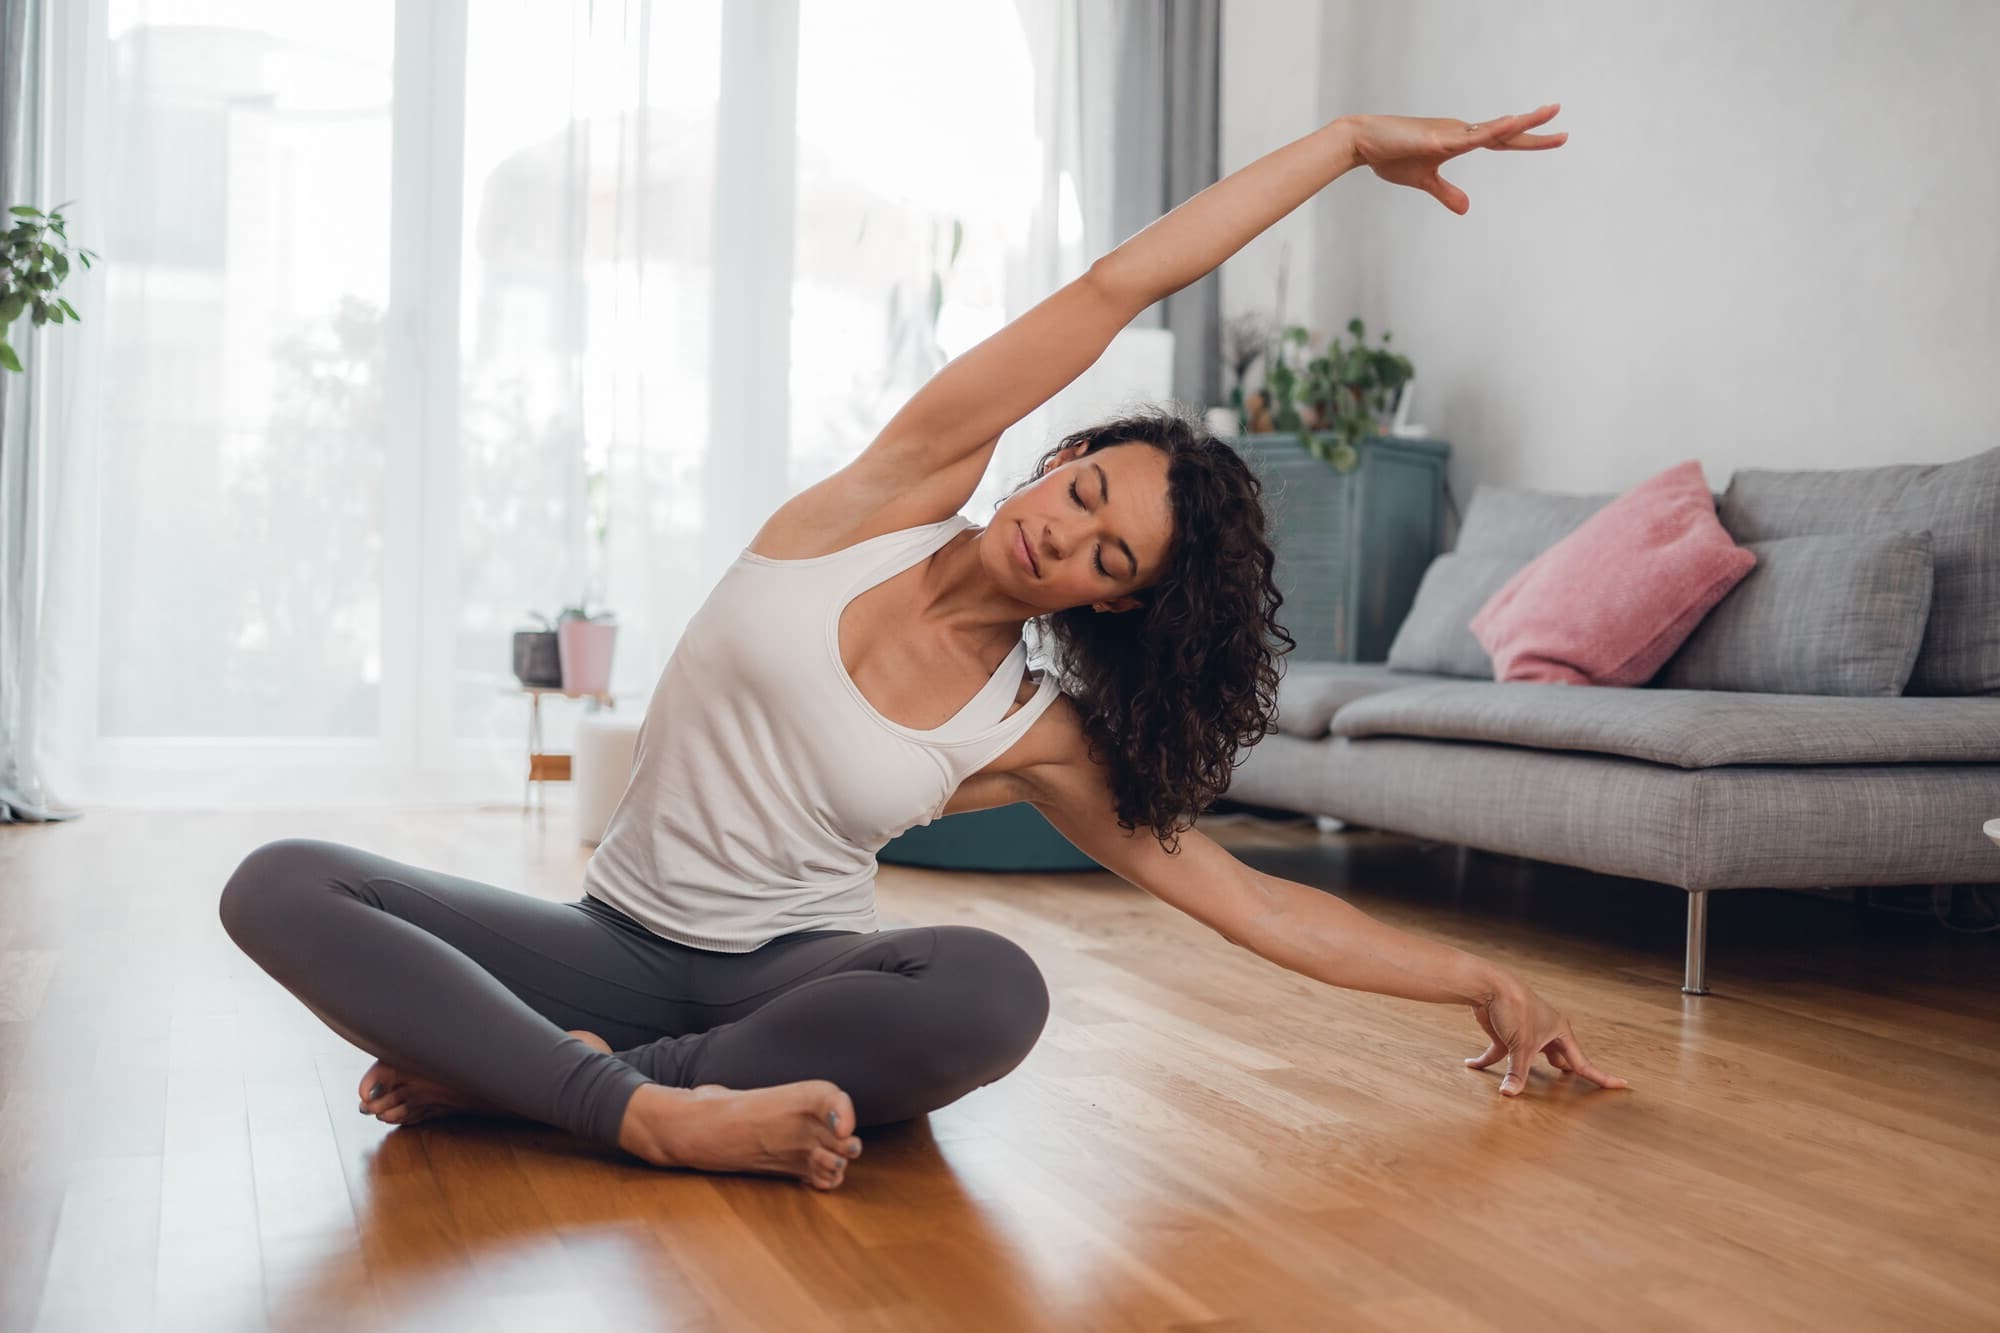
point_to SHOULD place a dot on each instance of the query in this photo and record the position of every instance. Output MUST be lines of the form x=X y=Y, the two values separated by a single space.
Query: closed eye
x=1097 y=556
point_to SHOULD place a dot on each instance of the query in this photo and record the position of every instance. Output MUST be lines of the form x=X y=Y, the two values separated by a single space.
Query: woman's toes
x=825 y=1170
x=836 y=1110
x=379 y=1077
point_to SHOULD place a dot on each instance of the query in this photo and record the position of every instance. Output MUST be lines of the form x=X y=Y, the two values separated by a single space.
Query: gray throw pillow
x=1505 y=527
x=1957 y=503
x=1436 y=637
x=1506 y=519
x=1818 y=615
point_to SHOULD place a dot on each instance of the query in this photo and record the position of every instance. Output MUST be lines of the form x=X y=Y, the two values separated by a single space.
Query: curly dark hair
x=1170 y=691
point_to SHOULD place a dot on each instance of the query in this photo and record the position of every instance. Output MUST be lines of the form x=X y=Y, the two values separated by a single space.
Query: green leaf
x=62 y=265
x=8 y=359
x=11 y=306
x=84 y=255
x=957 y=238
x=41 y=313
x=23 y=211
x=55 y=314
x=68 y=309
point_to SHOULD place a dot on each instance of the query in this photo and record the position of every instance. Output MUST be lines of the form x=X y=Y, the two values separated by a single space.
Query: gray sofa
x=1835 y=721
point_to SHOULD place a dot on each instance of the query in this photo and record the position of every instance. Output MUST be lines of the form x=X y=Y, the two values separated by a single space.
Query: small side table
x=544 y=766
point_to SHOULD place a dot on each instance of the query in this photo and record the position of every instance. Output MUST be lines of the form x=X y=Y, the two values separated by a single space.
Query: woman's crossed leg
x=491 y=1000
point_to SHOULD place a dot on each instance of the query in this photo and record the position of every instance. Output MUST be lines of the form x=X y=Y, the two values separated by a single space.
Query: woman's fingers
x=1510 y=132
x=1447 y=194
x=1493 y=1052
x=1580 y=1063
x=1506 y=127
x=1529 y=142
x=1515 y=1081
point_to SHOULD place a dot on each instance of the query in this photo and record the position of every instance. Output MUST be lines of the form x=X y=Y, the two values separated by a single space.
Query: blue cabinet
x=1351 y=546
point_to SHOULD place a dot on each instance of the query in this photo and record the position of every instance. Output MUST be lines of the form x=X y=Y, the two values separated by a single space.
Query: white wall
x=1773 y=239
x=1270 y=95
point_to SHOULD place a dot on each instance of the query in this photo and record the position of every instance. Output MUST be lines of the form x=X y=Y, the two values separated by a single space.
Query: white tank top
x=764 y=783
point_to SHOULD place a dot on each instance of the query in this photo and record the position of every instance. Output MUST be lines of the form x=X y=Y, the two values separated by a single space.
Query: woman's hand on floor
x=1520 y=1025
x=1408 y=150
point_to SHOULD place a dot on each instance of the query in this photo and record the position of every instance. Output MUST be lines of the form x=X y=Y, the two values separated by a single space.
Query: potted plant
x=31 y=268
x=584 y=643
x=572 y=652
x=537 y=655
x=1333 y=400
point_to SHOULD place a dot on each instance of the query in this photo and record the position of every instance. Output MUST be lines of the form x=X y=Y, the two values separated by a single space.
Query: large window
x=409 y=328
x=248 y=240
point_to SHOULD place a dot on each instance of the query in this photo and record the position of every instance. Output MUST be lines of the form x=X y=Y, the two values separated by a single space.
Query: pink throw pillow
x=1609 y=604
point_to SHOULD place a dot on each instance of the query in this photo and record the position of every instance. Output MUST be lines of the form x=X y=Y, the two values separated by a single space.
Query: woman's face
x=1091 y=532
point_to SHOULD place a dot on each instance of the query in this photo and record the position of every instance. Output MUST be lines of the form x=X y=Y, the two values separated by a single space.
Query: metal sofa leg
x=1696 y=982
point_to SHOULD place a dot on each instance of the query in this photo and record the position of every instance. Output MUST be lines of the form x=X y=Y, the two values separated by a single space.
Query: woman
x=858 y=670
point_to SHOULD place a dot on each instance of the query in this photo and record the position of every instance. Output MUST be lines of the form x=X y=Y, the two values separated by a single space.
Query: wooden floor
x=1200 y=1141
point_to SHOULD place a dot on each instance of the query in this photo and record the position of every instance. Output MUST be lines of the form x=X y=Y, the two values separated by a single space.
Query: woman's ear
x=1116 y=604
x=1067 y=455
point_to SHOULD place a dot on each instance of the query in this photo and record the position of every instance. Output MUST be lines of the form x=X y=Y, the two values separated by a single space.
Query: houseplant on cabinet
x=1334 y=400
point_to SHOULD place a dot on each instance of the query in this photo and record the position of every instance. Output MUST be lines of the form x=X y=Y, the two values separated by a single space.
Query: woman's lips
x=1027 y=556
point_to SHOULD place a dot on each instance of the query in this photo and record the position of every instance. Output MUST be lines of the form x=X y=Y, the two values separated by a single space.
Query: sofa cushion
x=1436 y=637
x=1609 y=604
x=1687 y=728
x=1310 y=693
x=1502 y=520
x=1957 y=503
x=1818 y=615
x=1710 y=828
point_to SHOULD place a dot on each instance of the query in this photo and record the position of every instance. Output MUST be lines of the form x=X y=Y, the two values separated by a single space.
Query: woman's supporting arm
x=1295 y=926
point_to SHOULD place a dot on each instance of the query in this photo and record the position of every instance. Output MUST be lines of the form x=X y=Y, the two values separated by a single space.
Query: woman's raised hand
x=1408 y=150
x=1520 y=1025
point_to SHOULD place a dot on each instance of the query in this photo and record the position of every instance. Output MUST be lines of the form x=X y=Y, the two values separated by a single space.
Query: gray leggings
x=476 y=987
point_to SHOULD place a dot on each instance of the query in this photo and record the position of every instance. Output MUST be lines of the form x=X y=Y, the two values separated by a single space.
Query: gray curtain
x=23 y=35
x=1166 y=150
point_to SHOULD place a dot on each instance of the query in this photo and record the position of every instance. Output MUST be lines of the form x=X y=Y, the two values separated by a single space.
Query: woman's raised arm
x=944 y=436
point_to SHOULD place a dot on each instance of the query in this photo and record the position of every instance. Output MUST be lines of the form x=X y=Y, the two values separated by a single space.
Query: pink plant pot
x=585 y=649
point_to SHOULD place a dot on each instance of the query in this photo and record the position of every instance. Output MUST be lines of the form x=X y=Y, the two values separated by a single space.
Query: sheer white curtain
x=419 y=315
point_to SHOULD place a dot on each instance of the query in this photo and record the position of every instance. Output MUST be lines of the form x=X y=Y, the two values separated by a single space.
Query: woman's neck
x=962 y=599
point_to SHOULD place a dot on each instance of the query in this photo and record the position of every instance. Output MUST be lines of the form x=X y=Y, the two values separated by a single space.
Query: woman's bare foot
x=798 y=1129
x=397 y=1098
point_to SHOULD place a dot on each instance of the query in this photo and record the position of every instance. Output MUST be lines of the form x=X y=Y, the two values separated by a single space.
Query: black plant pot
x=536 y=659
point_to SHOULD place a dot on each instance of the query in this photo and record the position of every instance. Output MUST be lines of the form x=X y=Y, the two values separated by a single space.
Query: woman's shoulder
x=838 y=513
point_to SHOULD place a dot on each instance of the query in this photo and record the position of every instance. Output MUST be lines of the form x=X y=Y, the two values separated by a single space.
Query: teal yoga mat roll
x=1011 y=837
